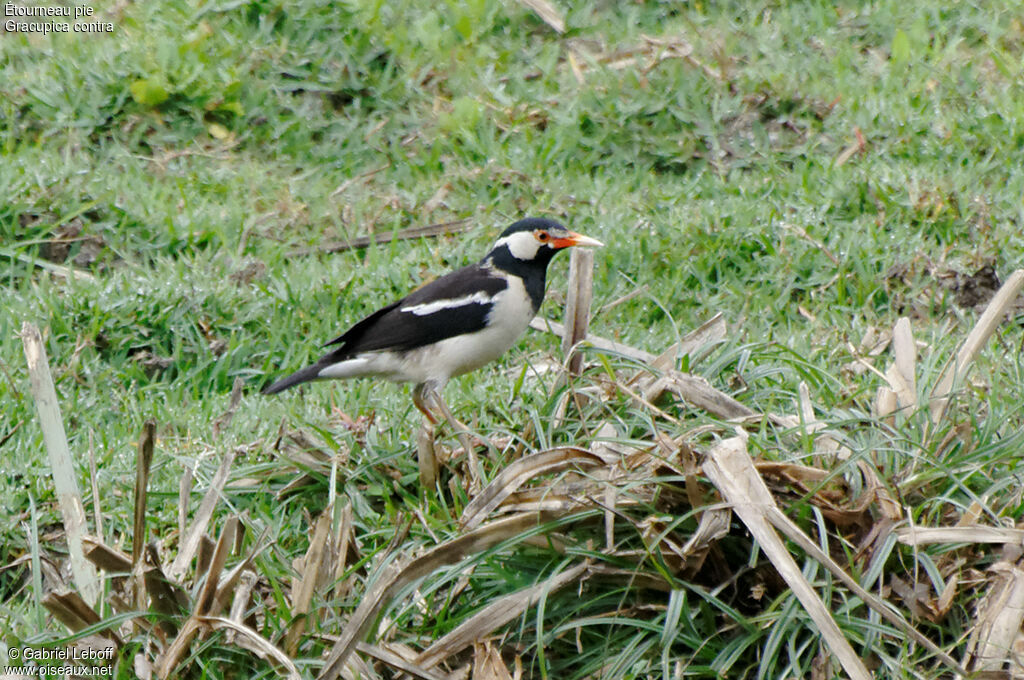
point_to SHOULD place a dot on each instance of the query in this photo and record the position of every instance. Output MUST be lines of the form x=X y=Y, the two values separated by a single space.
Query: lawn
x=177 y=196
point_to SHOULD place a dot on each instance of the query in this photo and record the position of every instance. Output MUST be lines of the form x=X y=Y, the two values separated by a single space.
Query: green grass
x=200 y=139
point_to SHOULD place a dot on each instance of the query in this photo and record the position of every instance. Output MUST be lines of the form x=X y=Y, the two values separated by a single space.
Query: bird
x=454 y=324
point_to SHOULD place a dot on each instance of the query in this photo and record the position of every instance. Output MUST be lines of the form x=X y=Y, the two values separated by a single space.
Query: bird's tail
x=304 y=375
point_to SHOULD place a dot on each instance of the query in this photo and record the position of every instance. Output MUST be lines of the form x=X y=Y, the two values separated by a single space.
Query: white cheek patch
x=521 y=244
x=425 y=308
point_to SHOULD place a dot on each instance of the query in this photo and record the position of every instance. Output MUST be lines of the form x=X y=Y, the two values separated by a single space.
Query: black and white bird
x=454 y=324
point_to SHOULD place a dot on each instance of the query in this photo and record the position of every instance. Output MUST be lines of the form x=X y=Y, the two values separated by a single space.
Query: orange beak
x=574 y=239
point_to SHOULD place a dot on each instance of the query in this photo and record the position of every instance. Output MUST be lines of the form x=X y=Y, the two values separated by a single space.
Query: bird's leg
x=426 y=456
x=459 y=426
x=418 y=394
x=462 y=432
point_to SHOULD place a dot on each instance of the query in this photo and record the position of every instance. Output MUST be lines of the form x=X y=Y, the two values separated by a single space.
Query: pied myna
x=454 y=324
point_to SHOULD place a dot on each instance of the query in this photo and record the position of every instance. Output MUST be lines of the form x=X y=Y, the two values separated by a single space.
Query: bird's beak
x=574 y=239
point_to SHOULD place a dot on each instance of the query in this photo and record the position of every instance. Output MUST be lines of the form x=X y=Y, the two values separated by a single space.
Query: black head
x=532 y=224
x=536 y=240
x=526 y=248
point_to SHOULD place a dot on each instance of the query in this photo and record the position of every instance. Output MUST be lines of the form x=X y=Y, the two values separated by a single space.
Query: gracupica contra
x=454 y=324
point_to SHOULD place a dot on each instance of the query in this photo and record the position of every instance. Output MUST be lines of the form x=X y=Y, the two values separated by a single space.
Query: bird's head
x=537 y=240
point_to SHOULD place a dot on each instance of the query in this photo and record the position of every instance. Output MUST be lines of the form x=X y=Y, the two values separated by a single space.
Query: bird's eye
x=542 y=236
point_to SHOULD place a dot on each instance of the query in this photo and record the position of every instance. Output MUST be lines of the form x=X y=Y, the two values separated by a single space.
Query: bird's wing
x=455 y=304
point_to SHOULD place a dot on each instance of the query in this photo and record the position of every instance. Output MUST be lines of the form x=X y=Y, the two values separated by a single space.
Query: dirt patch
x=975 y=289
x=67 y=239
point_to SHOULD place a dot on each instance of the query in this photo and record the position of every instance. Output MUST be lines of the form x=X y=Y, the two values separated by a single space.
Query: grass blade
x=976 y=339
x=190 y=543
x=494 y=616
x=397 y=575
x=143 y=461
x=577 y=305
x=730 y=469
x=62 y=467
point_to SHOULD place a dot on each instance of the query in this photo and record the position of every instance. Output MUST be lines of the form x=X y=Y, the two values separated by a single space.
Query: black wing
x=423 y=317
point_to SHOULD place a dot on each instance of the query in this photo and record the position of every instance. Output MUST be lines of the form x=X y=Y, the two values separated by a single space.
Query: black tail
x=305 y=375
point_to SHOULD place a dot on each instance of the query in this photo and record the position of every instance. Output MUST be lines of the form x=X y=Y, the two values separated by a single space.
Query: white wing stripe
x=425 y=308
